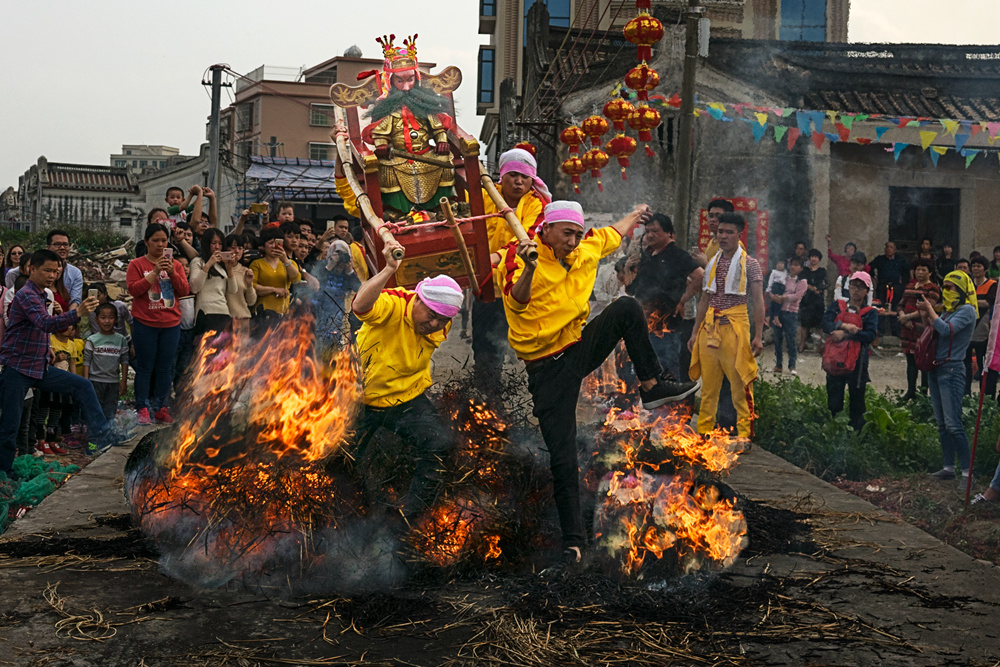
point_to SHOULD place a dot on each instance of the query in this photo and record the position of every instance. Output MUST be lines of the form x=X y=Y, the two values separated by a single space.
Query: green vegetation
x=86 y=240
x=899 y=438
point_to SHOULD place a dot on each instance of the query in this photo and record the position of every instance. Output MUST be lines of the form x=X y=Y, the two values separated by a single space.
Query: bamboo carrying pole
x=363 y=202
x=498 y=201
x=463 y=250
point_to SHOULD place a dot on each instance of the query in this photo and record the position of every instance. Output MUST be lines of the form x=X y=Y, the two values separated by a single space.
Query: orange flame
x=258 y=419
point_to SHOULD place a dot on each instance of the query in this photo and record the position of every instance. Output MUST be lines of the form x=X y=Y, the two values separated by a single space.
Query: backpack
x=840 y=357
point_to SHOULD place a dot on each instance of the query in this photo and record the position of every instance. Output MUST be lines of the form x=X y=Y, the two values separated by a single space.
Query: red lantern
x=572 y=136
x=621 y=147
x=573 y=167
x=642 y=78
x=644 y=119
x=617 y=110
x=644 y=31
x=527 y=146
x=595 y=127
x=595 y=159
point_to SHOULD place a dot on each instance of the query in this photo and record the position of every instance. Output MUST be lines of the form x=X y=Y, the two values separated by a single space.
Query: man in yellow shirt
x=527 y=195
x=547 y=303
x=400 y=331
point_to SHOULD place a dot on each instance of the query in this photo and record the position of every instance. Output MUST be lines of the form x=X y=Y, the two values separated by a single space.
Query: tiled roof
x=932 y=80
x=89 y=177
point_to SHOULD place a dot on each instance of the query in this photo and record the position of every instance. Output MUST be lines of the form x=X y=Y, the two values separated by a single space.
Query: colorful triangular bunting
x=927 y=138
x=779 y=132
x=897 y=148
x=793 y=136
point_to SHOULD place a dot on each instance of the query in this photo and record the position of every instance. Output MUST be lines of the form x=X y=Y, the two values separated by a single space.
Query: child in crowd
x=104 y=354
x=179 y=207
x=776 y=287
x=841 y=289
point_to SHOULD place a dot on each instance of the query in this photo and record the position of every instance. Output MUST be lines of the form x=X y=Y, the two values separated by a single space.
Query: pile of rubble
x=106 y=266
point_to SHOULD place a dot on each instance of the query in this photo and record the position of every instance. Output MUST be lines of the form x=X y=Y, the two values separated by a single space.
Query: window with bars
x=320 y=151
x=244 y=117
x=803 y=20
x=321 y=115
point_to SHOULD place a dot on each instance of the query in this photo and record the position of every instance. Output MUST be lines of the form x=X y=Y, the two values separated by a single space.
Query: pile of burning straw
x=256 y=484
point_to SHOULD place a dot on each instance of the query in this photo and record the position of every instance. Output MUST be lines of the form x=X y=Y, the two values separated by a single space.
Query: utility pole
x=682 y=215
x=213 y=128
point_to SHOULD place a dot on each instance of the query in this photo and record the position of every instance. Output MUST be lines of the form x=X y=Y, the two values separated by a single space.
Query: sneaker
x=793 y=371
x=980 y=499
x=163 y=417
x=44 y=448
x=142 y=416
x=56 y=449
x=943 y=474
x=668 y=391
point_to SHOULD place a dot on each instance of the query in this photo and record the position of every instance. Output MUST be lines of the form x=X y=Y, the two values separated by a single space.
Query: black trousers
x=686 y=329
x=417 y=422
x=489 y=341
x=855 y=385
x=554 y=384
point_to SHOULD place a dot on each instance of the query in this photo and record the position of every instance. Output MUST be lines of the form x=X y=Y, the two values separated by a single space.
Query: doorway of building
x=916 y=213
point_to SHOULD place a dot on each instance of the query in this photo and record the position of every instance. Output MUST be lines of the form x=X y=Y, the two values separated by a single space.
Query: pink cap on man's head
x=863 y=277
x=441 y=294
x=565 y=211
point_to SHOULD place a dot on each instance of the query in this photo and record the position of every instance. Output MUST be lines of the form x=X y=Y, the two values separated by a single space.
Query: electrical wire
x=555 y=58
x=554 y=105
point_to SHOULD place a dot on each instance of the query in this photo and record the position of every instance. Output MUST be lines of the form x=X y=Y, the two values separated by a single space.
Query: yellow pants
x=716 y=364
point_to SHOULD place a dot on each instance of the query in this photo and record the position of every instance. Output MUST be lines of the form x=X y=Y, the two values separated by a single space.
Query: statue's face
x=404 y=80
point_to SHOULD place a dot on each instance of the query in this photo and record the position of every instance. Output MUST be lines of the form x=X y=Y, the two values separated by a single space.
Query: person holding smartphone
x=155 y=282
x=212 y=278
x=274 y=273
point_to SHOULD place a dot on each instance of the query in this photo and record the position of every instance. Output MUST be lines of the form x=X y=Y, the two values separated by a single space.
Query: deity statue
x=409 y=125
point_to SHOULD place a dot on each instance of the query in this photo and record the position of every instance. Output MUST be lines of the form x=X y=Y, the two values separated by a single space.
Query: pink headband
x=519 y=167
x=565 y=211
x=524 y=168
x=441 y=294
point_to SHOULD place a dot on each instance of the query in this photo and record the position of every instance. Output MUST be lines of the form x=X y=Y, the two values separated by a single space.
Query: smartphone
x=330 y=224
x=259 y=208
x=228 y=255
x=168 y=253
x=91 y=294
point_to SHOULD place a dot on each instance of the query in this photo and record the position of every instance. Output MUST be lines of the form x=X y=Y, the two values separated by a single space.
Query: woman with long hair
x=155 y=281
x=274 y=273
x=212 y=279
x=12 y=259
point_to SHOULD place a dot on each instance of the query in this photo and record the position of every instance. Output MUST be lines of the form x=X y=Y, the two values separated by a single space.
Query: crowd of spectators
x=68 y=348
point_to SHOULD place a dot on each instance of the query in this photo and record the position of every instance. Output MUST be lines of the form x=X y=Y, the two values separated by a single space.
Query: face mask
x=950 y=298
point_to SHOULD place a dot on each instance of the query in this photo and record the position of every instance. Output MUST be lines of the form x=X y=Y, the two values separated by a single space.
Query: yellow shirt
x=395 y=359
x=358 y=261
x=553 y=318
x=345 y=192
x=73 y=347
x=264 y=275
x=527 y=211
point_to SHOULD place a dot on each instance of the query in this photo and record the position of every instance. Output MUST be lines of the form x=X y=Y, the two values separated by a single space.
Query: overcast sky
x=80 y=79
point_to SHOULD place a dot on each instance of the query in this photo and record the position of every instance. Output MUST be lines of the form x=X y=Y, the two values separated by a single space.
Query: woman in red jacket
x=156 y=281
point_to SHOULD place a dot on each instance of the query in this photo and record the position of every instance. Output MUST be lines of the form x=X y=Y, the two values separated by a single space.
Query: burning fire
x=648 y=501
x=242 y=469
